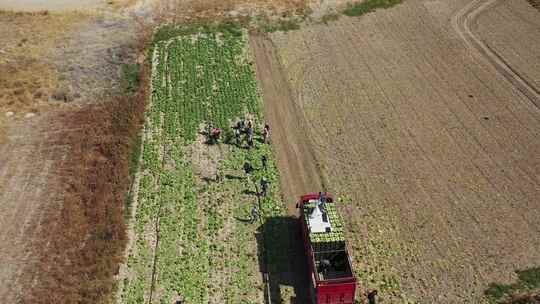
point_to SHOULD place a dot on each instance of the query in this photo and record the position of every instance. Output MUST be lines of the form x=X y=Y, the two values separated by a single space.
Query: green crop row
x=192 y=236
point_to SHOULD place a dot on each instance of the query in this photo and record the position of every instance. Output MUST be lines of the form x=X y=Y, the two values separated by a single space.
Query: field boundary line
x=131 y=224
x=135 y=198
x=158 y=182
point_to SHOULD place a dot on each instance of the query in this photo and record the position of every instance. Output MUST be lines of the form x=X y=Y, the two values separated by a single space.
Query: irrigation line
x=158 y=215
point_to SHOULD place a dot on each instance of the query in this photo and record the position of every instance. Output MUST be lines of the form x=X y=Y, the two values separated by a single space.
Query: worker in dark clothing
x=371 y=296
x=264 y=187
x=250 y=138
x=322 y=197
x=248 y=168
x=254 y=215
x=325 y=265
x=237 y=136
x=264 y=161
x=266 y=133
x=240 y=125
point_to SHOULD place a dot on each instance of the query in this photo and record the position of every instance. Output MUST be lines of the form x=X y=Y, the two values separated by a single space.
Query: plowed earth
x=504 y=27
x=434 y=140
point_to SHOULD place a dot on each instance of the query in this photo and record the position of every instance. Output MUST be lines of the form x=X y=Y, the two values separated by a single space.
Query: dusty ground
x=535 y=3
x=299 y=172
x=37 y=5
x=27 y=172
x=52 y=65
x=28 y=41
x=520 y=24
x=434 y=146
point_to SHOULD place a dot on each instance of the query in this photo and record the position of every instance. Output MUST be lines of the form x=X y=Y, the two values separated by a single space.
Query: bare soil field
x=184 y=11
x=433 y=150
x=26 y=166
x=28 y=75
x=64 y=180
x=64 y=150
x=36 y=5
x=535 y=3
x=504 y=27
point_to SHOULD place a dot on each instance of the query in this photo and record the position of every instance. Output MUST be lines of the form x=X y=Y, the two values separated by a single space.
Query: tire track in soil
x=487 y=158
x=504 y=26
x=299 y=173
x=461 y=22
x=458 y=132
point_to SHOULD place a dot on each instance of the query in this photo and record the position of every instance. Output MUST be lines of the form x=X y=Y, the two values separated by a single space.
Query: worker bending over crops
x=249 y=132
x=254 y=215
x=264 y=187
x=215 y=133
x=266 y=133
x=264 y=161
x=371 y=296
x=237 y=136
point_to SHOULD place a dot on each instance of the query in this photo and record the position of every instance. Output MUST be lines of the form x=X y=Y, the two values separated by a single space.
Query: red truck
x=332 y=280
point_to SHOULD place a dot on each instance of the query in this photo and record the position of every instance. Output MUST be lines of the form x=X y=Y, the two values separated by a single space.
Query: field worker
x=322 y=197
x=371 y=296
x=214 y=135
x=264 y=186
x=240 y=125
x=248 y=168
x=325 y=265
x=237 y=136
x=266 y=133
x=250 y=137
x=209 y=129
x=254 y=214
x=264 y=161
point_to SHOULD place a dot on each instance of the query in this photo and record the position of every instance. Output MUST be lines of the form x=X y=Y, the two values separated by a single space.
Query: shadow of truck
x=282 y=260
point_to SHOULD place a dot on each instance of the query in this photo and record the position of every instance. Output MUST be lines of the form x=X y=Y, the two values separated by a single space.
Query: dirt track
x=293 y=151
x=437 y=149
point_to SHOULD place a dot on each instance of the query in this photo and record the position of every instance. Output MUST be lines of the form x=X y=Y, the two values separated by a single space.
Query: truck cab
x=332 y=279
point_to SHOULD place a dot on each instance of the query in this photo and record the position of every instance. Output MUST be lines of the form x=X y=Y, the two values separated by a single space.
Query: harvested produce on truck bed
x=332 y=279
